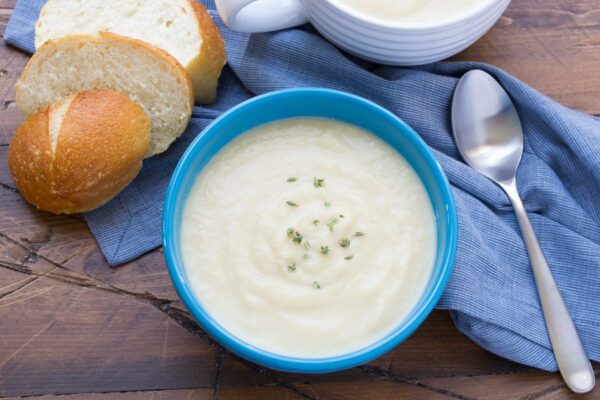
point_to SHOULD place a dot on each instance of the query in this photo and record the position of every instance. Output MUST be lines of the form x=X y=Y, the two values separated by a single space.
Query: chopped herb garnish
x=297 y=238
x=316 y=285
x=358 y=234
x=345 y=242
x=292 y=267
x=305 y=256
x=324 y=249
x=292 y=179
x=332 y=223
x=306 y=244
x=327 y=204
x=318 y=182
x=316 y=222
x=341 y=215
x=290 y=233
x=350 y=257
x=291 y=203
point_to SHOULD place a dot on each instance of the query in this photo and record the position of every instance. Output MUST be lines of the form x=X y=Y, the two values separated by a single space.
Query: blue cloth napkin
x=491 y=294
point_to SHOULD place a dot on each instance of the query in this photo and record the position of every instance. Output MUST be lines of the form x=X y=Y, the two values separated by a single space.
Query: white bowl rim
x=385 y=34
x=416 y=26
x=348 y=39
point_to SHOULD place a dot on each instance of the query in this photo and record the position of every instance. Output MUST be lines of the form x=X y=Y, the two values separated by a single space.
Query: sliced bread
x=150 y=76
x=80 y=151
x=183 y=28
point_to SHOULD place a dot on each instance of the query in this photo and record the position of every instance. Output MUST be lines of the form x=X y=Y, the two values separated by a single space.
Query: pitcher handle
x=253 y=16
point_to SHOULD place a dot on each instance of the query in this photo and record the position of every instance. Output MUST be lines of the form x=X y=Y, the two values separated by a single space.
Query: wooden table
x=69 y=324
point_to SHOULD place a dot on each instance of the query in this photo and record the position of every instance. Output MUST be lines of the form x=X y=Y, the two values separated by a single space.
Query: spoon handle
x=570 y=355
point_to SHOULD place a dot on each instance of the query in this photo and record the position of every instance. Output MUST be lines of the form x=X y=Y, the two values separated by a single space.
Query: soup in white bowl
x=412 y=11
x=308 y=238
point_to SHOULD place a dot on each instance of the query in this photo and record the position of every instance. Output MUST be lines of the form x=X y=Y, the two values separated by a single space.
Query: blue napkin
x=491 y=294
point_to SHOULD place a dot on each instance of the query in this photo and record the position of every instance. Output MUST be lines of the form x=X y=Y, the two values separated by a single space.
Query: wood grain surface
x=73 y=328
x=553 y=45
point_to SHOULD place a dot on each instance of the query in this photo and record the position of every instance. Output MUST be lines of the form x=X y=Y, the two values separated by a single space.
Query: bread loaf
x=183 y=28
x=150 y=76
x=79 y=152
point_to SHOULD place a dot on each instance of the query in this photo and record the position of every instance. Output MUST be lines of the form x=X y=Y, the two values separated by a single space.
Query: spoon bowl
x=493 y=143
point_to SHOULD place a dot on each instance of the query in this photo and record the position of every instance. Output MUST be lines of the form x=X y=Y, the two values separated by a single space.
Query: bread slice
x=147 y=74
x=183 y=28
x=79 y=152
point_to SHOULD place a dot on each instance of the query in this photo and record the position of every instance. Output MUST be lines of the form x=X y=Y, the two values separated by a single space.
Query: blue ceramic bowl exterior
x=324 y=103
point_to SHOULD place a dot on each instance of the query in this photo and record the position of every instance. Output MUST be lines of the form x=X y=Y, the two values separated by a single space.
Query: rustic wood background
x=70 y=325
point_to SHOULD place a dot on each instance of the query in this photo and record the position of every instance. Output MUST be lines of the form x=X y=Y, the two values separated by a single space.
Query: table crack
x=216 y=384
x=6 y=186
x=413 y=382
x=29 y=282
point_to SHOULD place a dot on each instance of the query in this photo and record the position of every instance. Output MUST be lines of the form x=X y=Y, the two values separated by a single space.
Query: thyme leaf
x=318 y=182
x=332 y=223
x=297 y=237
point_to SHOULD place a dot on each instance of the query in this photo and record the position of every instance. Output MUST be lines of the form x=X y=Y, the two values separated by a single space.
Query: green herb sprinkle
x=297 y=238
x=318 y=182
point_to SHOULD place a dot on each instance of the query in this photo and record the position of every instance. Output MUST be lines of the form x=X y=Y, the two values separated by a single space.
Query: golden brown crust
x=102 y=141
x=207 y=66
x=30 y=159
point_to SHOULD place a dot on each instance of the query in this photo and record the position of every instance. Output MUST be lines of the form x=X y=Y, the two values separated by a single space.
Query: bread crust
x=29 y=160
x=210 y=65
x=100 y=146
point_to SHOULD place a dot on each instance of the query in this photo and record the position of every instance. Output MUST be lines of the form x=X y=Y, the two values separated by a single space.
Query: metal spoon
x=489 y=136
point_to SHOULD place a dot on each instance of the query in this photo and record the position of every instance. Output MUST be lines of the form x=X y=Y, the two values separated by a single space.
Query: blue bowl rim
x=296 y=364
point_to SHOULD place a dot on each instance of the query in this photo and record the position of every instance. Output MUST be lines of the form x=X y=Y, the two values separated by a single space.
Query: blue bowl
x=325 y=104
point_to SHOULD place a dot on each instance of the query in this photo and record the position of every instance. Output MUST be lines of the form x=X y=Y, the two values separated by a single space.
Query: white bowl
x=401 y=44
x=377 y=40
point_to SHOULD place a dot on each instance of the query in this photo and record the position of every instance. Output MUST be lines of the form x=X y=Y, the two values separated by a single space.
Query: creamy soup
x=308 y=237
x=417 y=11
